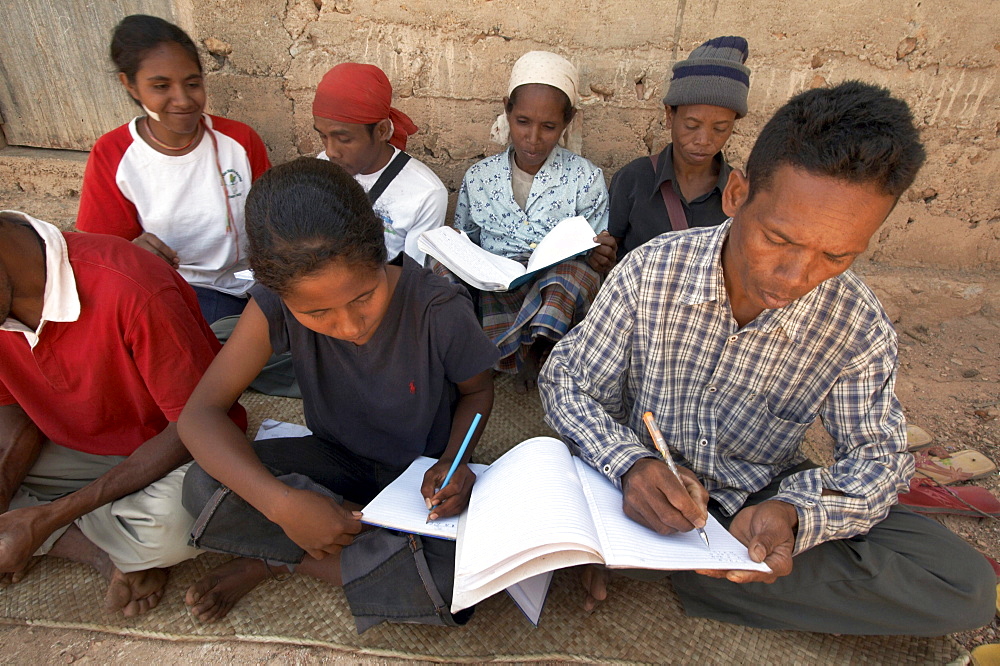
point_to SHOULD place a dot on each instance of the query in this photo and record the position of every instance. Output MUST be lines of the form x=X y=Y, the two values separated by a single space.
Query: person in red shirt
x=101 y=344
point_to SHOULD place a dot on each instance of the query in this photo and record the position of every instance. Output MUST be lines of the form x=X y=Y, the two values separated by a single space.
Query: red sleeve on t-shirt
x=103 y=207
x=251 y=142
x=172 y=346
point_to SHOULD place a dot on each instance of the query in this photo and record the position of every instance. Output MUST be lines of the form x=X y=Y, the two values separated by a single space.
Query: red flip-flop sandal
x=927 y=496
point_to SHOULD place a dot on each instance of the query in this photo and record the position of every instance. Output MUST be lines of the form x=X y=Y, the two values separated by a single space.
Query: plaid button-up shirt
x=734 y=403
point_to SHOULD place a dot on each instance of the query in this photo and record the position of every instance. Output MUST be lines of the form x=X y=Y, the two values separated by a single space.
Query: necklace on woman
x=149 y=131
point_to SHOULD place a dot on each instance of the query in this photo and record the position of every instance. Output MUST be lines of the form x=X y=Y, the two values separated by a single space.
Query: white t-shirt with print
x=415 y=201
x=130 y=188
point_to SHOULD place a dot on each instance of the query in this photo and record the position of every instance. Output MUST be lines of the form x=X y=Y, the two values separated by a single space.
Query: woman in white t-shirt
x=174 y=181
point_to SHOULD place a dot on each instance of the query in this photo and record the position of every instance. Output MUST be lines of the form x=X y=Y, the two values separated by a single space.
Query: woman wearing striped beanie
x=682 y=186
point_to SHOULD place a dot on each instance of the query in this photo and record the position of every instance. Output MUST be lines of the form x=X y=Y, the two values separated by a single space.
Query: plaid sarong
x=549 y=306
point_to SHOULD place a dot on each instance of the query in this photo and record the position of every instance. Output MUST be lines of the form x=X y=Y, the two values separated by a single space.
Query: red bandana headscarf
x=362 y=94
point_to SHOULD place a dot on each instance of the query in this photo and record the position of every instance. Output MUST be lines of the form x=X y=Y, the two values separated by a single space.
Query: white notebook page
x=529 y=595
x=567 y=239
x=507 y=500
x=626 y=543
x=466 y=259
x=400 y=506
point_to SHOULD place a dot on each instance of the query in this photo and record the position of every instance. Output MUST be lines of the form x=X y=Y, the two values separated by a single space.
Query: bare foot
x=595 y=579
x=135 y=592
x=132 y=593
x=527 y=377
x=212 y=597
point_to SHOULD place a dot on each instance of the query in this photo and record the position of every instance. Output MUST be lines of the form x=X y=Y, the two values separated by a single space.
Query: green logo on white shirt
x=234 y=183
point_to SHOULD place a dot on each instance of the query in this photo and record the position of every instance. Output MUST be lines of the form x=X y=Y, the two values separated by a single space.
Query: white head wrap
x=550 y=69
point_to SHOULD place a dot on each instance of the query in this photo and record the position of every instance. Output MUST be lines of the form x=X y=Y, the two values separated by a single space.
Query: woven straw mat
x=639 y=623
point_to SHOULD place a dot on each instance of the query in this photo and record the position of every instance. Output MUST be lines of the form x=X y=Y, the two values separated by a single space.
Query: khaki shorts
x=145 y=530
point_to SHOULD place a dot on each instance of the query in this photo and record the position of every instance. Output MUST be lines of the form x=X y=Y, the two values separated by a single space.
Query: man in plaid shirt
x=737 y=338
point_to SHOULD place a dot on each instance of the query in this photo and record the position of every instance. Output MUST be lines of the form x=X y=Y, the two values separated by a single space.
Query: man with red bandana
x=366 y=136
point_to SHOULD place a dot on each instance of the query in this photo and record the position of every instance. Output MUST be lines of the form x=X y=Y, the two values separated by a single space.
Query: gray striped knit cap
x=713 y=74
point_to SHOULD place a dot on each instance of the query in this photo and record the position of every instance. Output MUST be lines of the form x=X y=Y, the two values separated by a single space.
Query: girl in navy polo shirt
x=392 y=364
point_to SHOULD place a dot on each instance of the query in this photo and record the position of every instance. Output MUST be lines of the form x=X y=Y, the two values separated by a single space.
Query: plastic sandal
x=986 y=655
x=917 y=437
x=927 y=496
x=958 y=466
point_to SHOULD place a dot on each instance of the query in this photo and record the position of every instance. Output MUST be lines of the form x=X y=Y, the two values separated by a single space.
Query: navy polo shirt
x=637 y=212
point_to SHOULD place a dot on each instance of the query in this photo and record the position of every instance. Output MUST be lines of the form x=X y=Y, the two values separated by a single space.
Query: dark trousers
x=215 y=304
x=908 y=575
x=226 y=523
x=388 y=576
x=329 y=464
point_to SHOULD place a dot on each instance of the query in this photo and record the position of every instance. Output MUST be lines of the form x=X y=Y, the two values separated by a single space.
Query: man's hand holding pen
x=654 y=497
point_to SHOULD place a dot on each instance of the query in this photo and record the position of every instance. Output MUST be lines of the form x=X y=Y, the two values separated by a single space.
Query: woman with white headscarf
x=509 y=201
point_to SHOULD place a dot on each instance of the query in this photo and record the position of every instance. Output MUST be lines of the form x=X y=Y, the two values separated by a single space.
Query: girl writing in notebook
x=392 y=364
x=174 y=180
x=508 y=202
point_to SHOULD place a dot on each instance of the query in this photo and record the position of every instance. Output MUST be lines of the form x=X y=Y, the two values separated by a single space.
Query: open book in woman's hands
x=489 y=272
x=400 y=506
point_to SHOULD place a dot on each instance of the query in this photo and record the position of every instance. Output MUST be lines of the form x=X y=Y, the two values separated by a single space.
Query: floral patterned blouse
x=566 y=185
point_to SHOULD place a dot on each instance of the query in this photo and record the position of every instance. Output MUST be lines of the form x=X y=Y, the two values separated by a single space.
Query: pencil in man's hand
x=661 y=446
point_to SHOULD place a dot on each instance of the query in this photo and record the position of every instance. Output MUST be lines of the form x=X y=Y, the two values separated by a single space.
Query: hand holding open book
x=489 y=272
x=577 y=519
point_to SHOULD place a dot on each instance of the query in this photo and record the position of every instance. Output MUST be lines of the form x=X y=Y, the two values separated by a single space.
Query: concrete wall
x=449 y=63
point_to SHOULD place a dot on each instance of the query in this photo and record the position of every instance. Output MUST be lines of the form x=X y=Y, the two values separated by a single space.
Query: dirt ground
x=949 y=384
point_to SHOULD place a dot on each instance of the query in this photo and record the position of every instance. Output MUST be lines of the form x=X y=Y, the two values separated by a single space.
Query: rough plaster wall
x=449 y=63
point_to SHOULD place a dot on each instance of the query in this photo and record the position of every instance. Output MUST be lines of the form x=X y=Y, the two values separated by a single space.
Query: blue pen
x=458 y=456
